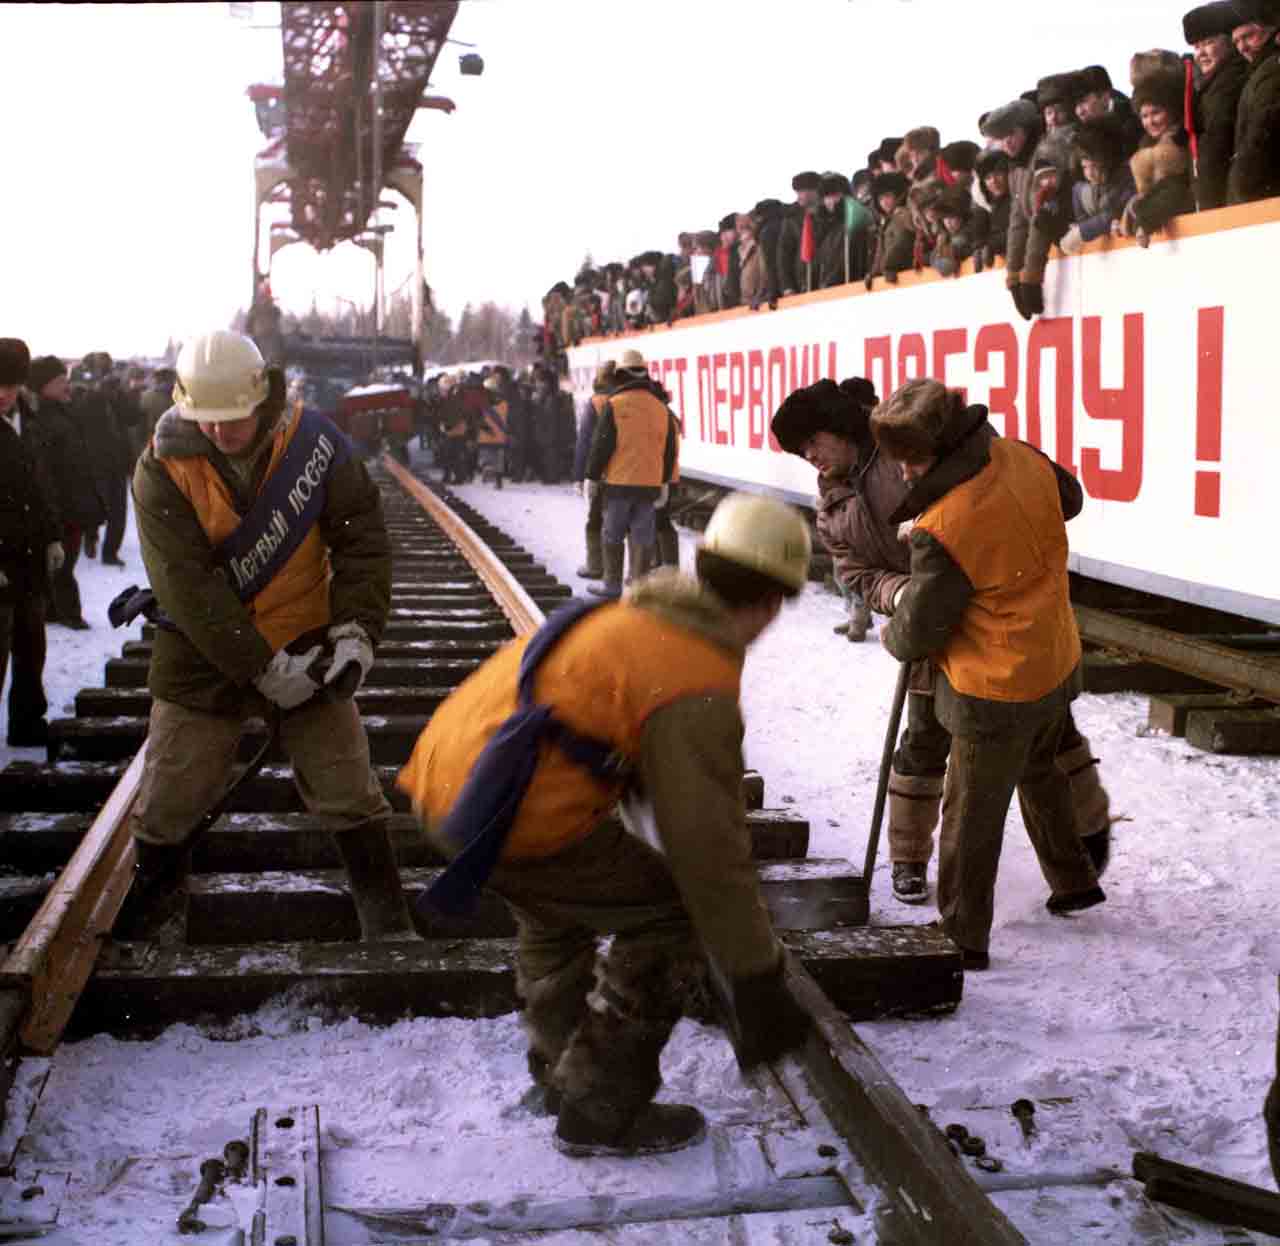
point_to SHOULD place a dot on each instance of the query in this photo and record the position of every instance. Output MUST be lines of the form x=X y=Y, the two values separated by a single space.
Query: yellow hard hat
x=762 y=535
x=221 y=376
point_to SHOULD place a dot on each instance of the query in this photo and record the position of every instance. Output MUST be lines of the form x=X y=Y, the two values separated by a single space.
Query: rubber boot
x=859 y=622
x=613 y=556
x=643 y=562
x=914 y=805
x=669 y=549
x=156 y=907
x=375 y=882
x=1090 y=801
x=658 y=1129
x=593 y=568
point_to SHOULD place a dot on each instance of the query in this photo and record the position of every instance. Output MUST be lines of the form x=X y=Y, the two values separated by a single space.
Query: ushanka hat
x=805 y=181
x=824 y=407
x=1019 y=114
x=1264 y=12
x=15 y=361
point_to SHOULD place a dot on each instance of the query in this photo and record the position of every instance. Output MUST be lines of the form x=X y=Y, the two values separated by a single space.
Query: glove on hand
x=767 y=1020
x=1071 y=241
x=1016 y=291
x=1032 y=300
x=664 y=495
x=352 y=659
x=54 y=557
x=287 y=681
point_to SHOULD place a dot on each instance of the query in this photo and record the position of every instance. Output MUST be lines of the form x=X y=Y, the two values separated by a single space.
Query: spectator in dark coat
x=843 y=255
x=70 y=474
x=726 y=262
x=1098 y=100
x=98 y=412
x=769 y=214
x=792 y=275
x=993 y=186
x=895 y=236
x=1217 y=97
x=29 y=552
x=1015 y=128
x=1255 y=170
x=1162 y=164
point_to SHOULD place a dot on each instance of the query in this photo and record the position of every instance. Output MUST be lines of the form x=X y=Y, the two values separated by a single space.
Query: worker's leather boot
x=375 y=882
x=593 y=568
x=156 y=907
x=614 y=556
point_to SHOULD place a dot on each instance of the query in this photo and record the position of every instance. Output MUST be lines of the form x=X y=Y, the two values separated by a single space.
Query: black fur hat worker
x=15 y=361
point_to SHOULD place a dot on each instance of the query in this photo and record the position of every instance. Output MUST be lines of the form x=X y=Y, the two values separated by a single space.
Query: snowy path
x=1146 y=1024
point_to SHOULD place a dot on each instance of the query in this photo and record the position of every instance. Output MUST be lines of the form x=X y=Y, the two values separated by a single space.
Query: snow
x=1145 y=1024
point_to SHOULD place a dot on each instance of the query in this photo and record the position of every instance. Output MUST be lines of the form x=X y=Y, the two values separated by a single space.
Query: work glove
x=1071 y=241
x=287 y=681
x=1015 y=290
x=352 y=659
x=767 y=1021
x=54 y=557
x=664 y=493
x=1032 y=300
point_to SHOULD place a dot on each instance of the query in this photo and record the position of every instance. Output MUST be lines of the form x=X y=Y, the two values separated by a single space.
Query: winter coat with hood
x=685 y=751
x=988 y=597
x=1255 y=169
x=69 y=467
x=1055 y=149
x=29 y=519
x=217 y=650
x=1214 y=113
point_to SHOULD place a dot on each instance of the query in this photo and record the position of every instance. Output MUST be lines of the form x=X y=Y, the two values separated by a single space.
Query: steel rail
x=523 y=615
x=55 y=955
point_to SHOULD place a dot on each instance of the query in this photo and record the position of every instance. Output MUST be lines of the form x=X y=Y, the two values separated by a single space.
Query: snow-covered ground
x=1146 y=1024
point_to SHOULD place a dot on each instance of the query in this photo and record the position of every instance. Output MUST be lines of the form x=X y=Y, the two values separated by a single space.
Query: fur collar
x=686 y=603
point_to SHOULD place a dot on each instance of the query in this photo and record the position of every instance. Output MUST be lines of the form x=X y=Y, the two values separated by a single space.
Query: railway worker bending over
x=988 y=602
x=264 y=540
x=516 y=777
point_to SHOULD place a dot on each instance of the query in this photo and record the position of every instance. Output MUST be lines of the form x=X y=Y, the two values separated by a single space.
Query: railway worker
x=648 y=688
x=265 y=543
x=455 y=430
x=491 y=435
x=987 y=601
x=632 y=458
x=30 y=551
x=859 y=489
x=602 y=383
x=1207 y=28
x=1255 y=167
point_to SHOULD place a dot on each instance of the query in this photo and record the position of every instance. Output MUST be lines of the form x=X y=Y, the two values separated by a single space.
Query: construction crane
x=355 y=74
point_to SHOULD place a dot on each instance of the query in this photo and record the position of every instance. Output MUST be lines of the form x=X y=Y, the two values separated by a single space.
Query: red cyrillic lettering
x=1125 y=404
x=879 y=350
x=737 y=391
x=1053 y=333
x=756 y=415
x=1000 y=339
x=948 y=342
x=1209 y=409
x=911 y=346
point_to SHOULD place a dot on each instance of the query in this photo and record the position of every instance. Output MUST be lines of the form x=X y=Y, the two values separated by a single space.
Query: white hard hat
x=221 y=376
x=762 y=535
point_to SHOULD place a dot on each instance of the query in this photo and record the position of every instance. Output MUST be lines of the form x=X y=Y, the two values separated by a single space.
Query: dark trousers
x=64 y=592
x=595 y=514
x=628 y=515
x=22 y=639
x=117 y=503
x=982 y=775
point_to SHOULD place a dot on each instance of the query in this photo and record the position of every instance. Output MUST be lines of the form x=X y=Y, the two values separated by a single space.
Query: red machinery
x=372 y=414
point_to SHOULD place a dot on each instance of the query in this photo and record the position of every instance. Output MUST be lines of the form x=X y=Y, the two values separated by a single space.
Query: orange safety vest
x=642 y=421
x=603 y=679
x=493 y=431
x=297 y=598
x=1017 y=640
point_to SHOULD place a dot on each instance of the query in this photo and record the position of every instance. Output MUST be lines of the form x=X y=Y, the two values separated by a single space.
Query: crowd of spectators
x=71 y=435
x=1071 y=161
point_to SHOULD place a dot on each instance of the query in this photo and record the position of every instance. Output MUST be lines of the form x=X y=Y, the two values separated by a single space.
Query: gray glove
x=351 y=652
x=54 y=557
x=664 y=495
x=287 y=682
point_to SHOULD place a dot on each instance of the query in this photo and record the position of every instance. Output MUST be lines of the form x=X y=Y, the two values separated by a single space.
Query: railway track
x=269 y=914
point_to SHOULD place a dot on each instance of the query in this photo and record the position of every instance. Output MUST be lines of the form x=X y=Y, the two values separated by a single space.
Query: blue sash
x=481 y=819
x=289 y=504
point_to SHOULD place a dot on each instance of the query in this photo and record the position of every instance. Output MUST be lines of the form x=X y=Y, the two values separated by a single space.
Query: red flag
x=806 y=240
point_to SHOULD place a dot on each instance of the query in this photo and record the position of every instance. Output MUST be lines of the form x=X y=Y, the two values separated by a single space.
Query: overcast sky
x=598 y=125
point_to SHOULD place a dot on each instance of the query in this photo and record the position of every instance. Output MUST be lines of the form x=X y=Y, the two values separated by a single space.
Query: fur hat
x=1264 y=12
x=15 y=361
x=924 y=194
x=961 y=156
x=767 y=209
x=954 y=201
x=44 y=370
x=1091 y=79
x=873 y=157
x=861 y=178
x=889 y=184
x=728 y=221
x=1103 y=141
x=1057 y=89
x=915 y=423
x=834 y=184
x=1018 y=114
x=993 y=160
x=1209 y=20
x=1143 y=63
x=805 y=181
x=707 y=238
x=745 y=220
x=922 y=138
x=888 y=148
x=1164 y=88
x=824 y=407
